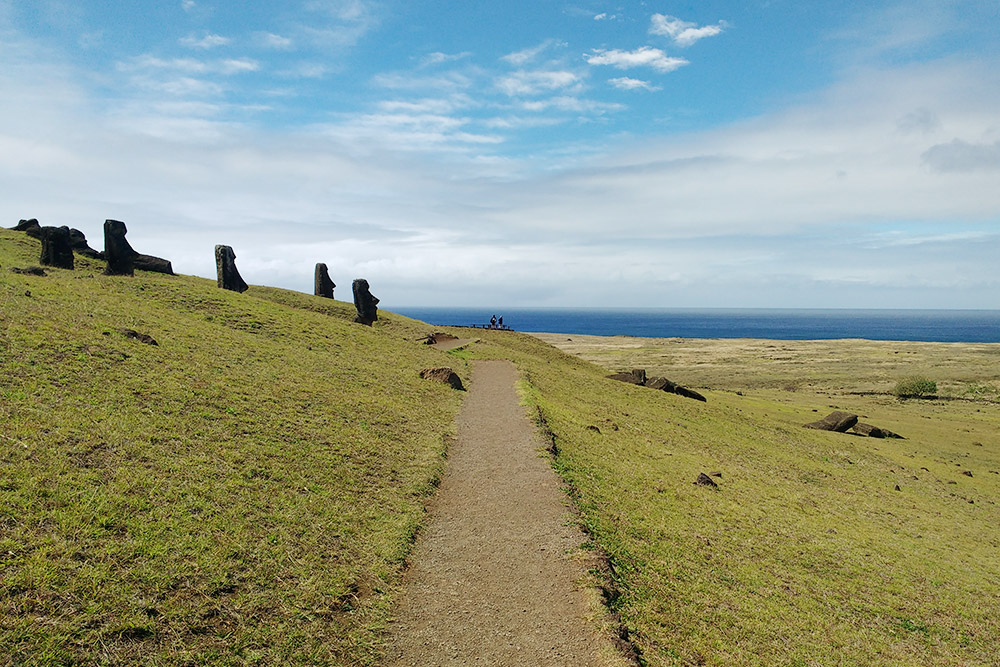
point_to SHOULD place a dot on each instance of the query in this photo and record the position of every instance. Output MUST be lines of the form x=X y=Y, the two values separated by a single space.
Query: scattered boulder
x=835 y=421
x=595 y=429
x=225 y=266
x=56 y=248
x=141 y=337
x=967 y=473
x=874 y=431
x=30 y=271
x=322 y=285
x=634 y=376
x=705 y=480
x=438 y=337
x=445 y=375
x=364 y=302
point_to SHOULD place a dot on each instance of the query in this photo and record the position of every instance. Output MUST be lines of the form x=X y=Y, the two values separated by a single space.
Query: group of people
x=496 y=323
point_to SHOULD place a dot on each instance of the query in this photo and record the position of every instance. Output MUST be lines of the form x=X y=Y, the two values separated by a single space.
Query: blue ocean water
x=966 y=326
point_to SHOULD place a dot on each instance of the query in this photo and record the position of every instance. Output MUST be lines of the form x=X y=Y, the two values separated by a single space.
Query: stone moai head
x=322 y=285
x=364 y=302
x=57 y=249
x=117 y=251
x=225 y=266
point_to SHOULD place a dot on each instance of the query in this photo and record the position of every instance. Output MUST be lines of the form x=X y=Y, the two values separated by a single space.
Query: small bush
x=915 y=387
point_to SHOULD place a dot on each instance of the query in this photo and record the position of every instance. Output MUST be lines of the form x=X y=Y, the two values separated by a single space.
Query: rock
x=78 y=241
x=663 y=384
x=874 y=431
x=364 y=302
x=322 y=285
x=141 y=337
x=117 y=251
x=594 y=429
x=445 y=375
x=967 y=473
x=897 y=488
x=437 y=337
x=835 y=421
x=56 y=248
x=29 y=227
x=122 y=258
x=635 y=376
x=150 y=263
x=705 y=480
x=31 y=271
x=225 y=266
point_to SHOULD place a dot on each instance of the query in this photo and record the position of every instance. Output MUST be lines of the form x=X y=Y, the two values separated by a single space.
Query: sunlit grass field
x=244 y=492
x=247 y=490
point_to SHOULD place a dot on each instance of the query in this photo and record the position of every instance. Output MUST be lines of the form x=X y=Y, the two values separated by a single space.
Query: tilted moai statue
x=322 y=285
x=56 y=248
x=365 y=303
x=117 y=251
x=225 y=267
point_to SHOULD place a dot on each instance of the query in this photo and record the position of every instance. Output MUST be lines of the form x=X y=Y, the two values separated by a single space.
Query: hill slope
x=242 y=492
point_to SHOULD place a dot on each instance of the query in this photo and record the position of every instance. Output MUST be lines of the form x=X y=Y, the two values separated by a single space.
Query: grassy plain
x=806 y=554
x=244 y=492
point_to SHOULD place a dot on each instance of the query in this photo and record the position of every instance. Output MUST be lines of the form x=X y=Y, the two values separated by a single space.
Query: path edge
x=604 y=581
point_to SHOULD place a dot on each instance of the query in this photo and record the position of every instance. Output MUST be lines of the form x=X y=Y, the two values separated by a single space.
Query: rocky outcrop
x=322 y=285
x=29 y=227
x=225 y=266
x=445 y=375
x=837 y=420
x=364 y=302
x=56 y=248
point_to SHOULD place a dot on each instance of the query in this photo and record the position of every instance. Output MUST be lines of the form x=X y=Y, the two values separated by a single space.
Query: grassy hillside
x=241 y=493
x=806 y=554
x=245 y=491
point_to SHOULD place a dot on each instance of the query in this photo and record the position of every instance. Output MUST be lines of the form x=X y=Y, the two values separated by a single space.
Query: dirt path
x=494 y=579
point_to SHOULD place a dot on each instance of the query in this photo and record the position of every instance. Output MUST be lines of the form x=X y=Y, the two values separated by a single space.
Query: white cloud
x=523 y=83
x=683 y=33
x=961 y=156
x=627 y=83
x=190 y=65
x=445 y=81
x=645 y=56
x=305 y=70
x=188 y=5
x=272 y=40
x=238 y=65
x=570 y=103
x=438 y=57
x=209 y=41
x=604 y=16
x=524 y=56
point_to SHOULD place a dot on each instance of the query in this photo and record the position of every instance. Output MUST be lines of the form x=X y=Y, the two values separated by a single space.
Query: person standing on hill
x=493 y=322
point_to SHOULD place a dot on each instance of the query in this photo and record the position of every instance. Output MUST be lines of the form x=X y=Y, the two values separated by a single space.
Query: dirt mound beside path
x=496 y=579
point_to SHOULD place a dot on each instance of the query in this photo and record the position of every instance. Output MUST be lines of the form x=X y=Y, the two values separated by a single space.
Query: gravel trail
x=496 y=578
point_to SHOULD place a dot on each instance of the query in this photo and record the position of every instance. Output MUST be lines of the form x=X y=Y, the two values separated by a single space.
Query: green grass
x=246 y=492
x=805 y=554
x=242 y=493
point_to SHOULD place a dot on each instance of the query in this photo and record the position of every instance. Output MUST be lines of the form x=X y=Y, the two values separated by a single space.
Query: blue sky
x=758 y=154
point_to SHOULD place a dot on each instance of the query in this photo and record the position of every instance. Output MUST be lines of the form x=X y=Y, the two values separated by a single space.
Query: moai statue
x=365 y=303
x=322 y=285
x=56 y=248
x=29 y=227
x=225 y=266
x=117 y=251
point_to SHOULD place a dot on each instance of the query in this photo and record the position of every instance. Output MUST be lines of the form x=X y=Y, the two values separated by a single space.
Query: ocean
x=950 y=326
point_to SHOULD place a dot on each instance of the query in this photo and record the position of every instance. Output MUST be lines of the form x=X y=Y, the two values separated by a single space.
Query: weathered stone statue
x=56 y=248
x=78 y=241
x=322 y=285
x=117 y=251
x=29 y=227
x=365 y=303
x=225 y=267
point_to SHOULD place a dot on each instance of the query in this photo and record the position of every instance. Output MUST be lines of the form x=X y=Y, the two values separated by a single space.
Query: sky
x=765 y=153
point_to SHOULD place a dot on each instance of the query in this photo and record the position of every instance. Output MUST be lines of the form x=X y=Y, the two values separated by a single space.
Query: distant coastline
x=948 y=326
